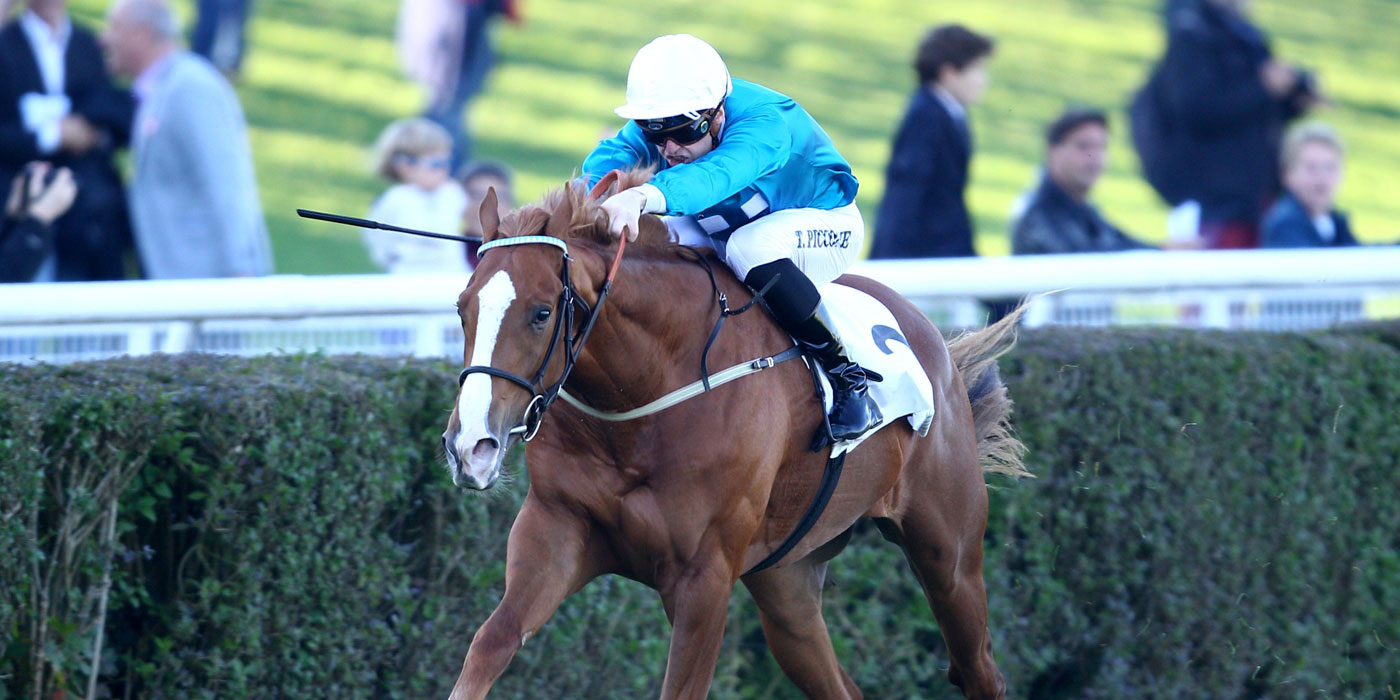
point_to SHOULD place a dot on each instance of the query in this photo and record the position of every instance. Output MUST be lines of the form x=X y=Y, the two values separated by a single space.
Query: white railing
x=380 y=314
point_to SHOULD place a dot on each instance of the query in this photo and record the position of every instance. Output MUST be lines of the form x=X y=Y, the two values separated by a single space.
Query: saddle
x=875 y=341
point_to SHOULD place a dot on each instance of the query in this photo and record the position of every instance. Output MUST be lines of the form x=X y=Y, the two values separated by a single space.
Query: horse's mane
x=588 y=221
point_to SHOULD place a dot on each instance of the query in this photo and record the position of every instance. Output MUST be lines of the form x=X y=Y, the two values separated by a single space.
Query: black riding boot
x=795 y=304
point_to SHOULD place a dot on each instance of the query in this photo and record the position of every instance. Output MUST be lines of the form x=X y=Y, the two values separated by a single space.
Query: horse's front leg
x=697 y=603
x=547 y=559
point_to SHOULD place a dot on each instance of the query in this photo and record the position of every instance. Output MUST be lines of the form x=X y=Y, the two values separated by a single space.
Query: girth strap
x=830 y=477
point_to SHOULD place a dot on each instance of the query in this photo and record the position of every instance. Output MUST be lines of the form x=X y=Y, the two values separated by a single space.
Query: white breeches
x=822 y=242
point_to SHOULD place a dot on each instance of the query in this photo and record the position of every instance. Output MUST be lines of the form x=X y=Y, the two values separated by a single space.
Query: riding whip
x=366 y=223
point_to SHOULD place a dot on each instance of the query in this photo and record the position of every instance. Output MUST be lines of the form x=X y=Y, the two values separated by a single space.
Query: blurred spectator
x=1304 y=216
x=477 y=178
x=416 y=155
x=445 y=45
x=194 y=199
x=218 y=33
x=58 y=104
x=1207 y=124
x=1058 y=217
x=923 y=214
x=40 y=194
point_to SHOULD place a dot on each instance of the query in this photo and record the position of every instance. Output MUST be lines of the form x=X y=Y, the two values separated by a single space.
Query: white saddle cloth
x=873 y=339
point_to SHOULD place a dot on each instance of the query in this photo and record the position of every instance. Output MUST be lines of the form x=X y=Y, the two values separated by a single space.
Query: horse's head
x=521 y=308
x=518 y=313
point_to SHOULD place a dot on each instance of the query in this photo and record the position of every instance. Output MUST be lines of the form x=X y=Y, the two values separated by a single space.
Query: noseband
x=569 y=301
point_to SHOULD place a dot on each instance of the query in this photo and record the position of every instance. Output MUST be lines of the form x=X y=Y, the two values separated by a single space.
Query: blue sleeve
x=1287 y=232
x=749 y=149
x=625 y=151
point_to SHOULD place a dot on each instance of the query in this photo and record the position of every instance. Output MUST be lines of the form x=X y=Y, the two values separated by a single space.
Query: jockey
x=745 y=171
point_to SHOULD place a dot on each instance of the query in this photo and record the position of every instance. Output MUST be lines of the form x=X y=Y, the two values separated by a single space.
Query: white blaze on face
x=474 y=402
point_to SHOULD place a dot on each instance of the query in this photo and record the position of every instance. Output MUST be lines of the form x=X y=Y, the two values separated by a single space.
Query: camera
x=26 y=182
x=1306 y=86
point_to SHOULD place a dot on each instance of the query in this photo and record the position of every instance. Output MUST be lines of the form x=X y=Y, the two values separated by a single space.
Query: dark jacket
x=91 y=237
x=1204 y=126
x=1287 y=225
x=923 y=214
x=1053 y=222
x=24 y=244
x=85 y=82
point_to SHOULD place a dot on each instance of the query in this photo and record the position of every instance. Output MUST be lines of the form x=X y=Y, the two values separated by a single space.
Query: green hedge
x=1216 y=516
x=289 y=533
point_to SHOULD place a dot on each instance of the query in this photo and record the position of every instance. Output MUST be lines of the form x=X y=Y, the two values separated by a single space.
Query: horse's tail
x=975 y=355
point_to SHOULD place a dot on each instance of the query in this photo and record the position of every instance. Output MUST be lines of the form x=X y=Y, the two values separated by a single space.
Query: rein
x=707 y=381
x=726 y=312
x=569 y=299
x=573 y=345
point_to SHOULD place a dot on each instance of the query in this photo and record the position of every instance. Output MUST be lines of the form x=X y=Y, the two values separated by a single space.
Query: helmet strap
x=714 y=132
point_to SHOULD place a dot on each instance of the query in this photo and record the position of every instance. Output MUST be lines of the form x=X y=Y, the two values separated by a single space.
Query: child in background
x=416 y=154
x=479 y=177
x=924 y=213
x=1306 y=216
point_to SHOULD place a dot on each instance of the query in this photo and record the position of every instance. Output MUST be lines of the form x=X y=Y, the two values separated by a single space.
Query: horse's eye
x=541 y=315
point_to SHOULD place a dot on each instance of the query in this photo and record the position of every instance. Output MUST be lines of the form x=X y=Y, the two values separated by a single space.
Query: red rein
x=597 y=193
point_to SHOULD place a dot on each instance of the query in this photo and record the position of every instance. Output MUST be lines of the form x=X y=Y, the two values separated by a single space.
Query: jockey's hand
x=624 y=209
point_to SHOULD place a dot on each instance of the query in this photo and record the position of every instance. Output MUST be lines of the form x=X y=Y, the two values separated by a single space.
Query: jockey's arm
x=624 y=151
x=748 y=150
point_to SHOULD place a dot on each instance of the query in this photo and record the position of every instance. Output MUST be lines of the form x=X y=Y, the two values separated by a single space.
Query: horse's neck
x=654 y=325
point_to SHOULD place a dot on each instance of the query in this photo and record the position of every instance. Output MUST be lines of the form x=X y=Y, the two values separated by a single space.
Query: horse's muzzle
x=480 y=469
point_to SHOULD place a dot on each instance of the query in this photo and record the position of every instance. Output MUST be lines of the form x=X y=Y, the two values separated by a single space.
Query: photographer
x=58 y=104
x=38 y=195
x=1208 y=124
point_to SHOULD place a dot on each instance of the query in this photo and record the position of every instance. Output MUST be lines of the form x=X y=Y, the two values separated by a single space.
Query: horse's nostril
x=486 y=447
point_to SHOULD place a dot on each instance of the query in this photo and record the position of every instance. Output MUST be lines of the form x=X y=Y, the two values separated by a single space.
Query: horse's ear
x=561 y=220
x=490 y=216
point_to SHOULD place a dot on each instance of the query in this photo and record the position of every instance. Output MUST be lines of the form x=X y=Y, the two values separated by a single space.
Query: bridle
x=543 y=397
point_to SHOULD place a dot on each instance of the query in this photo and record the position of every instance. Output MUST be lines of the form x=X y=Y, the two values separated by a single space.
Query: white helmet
x=674 y=75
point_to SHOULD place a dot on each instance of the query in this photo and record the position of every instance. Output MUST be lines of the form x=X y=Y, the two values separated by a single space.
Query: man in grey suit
x=194 y=199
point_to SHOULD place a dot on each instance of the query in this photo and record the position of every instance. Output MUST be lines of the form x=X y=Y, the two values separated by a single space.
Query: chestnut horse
x=688 y=499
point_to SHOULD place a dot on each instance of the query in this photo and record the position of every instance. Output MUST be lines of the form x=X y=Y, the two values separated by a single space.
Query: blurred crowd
x=1216 y=127
x=190 y=208
x=71 y=100
x=435 y=185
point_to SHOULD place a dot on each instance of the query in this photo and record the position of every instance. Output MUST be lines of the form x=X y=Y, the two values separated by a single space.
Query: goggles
x=434 y=162
x=684 y=129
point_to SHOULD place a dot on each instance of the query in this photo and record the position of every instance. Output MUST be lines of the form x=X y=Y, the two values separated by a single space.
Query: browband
x=522 y=240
